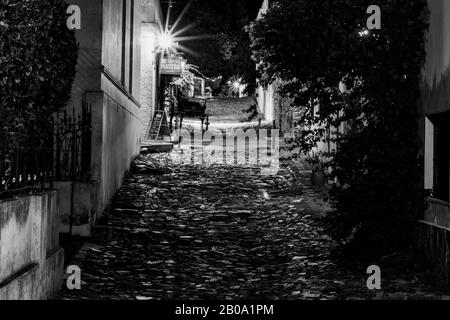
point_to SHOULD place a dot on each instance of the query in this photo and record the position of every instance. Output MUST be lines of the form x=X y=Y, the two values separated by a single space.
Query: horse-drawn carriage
x=182 y=107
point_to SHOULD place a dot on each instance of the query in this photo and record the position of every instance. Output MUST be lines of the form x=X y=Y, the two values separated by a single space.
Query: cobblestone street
x=190 y=232
x=236 y=158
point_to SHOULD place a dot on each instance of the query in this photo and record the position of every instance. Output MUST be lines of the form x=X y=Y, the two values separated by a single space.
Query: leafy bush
x=38 y=56
x=370 y=80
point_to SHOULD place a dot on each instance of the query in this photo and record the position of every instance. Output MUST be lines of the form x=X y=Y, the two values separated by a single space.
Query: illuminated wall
x=436 y=78
x=109 y=80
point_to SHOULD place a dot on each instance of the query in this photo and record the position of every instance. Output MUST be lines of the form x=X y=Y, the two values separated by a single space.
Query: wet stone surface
x=190 y=232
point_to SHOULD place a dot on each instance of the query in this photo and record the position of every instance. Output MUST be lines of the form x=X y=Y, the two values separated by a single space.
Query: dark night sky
x=226 y=49
x=252 y=6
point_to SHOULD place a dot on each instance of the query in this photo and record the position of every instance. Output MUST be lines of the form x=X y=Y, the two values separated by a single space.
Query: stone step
x=156 y=146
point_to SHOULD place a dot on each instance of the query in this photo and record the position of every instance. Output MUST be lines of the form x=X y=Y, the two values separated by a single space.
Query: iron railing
x=22 y=170
x=72 y=160
x=65 y=156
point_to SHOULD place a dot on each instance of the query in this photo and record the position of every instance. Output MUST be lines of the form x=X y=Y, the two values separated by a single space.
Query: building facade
x=116 y=80
x=275 y=108
x=151 y=27
x=435 y=123
x=265 y=95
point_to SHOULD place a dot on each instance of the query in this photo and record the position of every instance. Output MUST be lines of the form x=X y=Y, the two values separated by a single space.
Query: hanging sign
x=172 y=66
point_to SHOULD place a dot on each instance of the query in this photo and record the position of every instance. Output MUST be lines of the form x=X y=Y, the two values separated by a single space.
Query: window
x=131 y=46
x=124 y=40
x=441 y=156
x=128 y=17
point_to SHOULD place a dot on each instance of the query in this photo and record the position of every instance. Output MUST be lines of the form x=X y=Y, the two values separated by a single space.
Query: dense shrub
x=317 y=47
x=38 y=55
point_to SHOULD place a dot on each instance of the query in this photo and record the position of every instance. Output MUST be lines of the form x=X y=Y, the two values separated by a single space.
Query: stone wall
x=31 y=261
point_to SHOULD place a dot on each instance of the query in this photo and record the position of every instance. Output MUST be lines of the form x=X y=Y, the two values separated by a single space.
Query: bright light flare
x=170 y=38
x=364 y=33
x=165 y=41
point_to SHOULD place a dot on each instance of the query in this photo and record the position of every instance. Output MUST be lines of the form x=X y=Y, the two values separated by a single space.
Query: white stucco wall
x=436 y=78
x=109 y=80
x=148 y=75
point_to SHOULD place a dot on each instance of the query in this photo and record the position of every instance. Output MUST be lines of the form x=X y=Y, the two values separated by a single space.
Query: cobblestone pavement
x=190 y=232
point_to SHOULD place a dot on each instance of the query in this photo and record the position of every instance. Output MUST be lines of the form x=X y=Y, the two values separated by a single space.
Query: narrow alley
x=239 y=150
x=189 y=232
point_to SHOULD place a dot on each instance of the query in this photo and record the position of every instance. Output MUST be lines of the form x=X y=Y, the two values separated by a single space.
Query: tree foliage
x=318 y=49
x=224 y=46
x=38 y=56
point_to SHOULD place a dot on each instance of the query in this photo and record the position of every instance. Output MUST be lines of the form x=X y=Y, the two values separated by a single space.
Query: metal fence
x=24 y=169
x=66 y=156
x=73 y=147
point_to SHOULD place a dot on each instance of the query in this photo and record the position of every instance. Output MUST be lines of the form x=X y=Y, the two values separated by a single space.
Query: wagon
x=192 y=108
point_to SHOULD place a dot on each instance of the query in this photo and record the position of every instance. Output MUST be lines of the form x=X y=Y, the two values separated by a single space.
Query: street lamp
x=165 y=41
x=364 y=33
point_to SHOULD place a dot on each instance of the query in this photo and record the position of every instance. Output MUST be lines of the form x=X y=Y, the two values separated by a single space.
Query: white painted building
x=435 y=105
x=274 y=108
x=117 y=77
